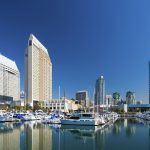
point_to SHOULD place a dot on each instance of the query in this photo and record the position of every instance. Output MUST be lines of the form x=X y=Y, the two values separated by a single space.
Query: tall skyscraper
x=100 y=91
x=9 y=80
x=82 y=97
x=116 y=98
x=130 y=97
x=38 y=72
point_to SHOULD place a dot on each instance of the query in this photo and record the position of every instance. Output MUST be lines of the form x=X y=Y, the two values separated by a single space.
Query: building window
x=30 y=43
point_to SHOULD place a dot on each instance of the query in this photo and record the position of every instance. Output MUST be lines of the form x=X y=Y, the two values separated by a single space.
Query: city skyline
x=83 y=44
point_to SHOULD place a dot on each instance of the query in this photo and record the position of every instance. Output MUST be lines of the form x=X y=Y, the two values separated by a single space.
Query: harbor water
x=123 y=134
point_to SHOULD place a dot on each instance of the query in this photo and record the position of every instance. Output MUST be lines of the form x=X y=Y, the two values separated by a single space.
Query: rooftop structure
x=8 y=63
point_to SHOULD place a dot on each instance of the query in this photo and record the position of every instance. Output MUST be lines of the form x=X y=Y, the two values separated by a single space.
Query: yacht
x=7 y=117
x=2 y=117
x=90 y=119
x=52 y=119
x=144 y=115
x=29 y=117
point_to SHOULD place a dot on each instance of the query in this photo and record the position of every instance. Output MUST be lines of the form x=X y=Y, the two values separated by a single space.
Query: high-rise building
x=116 y=98
x=130 y=97
x=100 y=91
x=82 y=97
x=38 y=72
x=9 y=80
x=108 y=100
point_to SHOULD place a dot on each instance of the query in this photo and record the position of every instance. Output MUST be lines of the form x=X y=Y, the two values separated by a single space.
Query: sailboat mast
x=93 y=101
x=64 y=102
x=59 y=93
x=59 y=99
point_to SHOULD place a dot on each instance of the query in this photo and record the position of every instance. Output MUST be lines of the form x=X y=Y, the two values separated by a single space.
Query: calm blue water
x=124 y=134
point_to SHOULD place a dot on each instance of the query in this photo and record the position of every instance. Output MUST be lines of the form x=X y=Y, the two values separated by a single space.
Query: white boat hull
x=2 y=119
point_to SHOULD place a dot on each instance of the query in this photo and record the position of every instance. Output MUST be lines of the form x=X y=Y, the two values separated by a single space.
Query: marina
x=86 y=119
x=86 y=131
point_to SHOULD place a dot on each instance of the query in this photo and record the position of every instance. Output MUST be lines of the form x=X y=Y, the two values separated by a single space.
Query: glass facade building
x=82 y=97
x=100 y=91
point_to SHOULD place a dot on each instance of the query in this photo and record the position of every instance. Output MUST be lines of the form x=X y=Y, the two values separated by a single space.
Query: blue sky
x=85 y=39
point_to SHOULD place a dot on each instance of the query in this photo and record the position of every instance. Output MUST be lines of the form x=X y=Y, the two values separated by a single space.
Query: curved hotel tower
x=9 y=80
x=100 y=91
x=38 y=72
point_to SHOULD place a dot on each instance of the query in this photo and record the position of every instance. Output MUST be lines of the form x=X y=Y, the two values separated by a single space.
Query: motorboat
x=144 y=115
x=2 y=117
x=7 y=117
x=90 y=119
x=52 y=119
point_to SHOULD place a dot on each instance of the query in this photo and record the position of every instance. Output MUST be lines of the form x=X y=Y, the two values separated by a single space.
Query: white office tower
x=9 y=80
x=38 y=72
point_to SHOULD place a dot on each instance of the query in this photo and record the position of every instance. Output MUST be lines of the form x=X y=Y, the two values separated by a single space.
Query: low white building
x=63 y=105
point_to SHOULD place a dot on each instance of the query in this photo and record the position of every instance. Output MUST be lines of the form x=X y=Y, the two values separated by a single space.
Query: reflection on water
x=9 y=136
x=123 y=134
x=25 y=136
x=127 y=124
x=37 y=136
